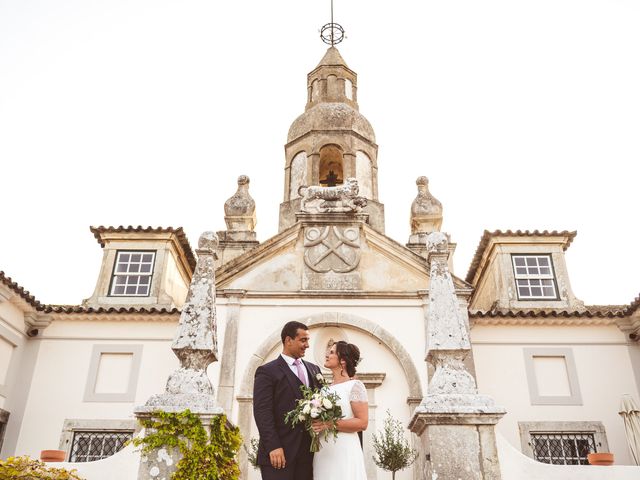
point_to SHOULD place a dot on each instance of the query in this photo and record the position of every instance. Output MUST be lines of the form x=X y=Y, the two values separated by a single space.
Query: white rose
x=315 y=413
x=326 y=403
x=320 y=377
x=307 y=409
x=301 y=417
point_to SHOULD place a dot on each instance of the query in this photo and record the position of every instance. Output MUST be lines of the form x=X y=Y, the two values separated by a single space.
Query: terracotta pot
x=52 y=455
x=600 y=458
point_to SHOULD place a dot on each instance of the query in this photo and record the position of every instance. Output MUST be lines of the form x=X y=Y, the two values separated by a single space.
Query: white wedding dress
x=342 y=459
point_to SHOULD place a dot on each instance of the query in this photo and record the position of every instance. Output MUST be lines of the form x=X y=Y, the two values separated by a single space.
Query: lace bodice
x=350 y=391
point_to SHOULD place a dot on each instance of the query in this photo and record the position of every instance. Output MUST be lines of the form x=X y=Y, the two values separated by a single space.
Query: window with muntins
x=132 y=274
x=563 y=448
x=91 y=446
x=534 y=277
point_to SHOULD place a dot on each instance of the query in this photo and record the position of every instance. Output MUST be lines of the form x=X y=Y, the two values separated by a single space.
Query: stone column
x=245 y=415
x=455 y=424
x=226 y=384
x=195 y=345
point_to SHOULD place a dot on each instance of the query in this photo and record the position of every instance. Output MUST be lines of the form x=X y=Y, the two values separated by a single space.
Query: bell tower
x=331 y=141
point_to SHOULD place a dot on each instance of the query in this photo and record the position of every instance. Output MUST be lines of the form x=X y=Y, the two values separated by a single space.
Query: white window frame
x=115 y=274
x=548 y=278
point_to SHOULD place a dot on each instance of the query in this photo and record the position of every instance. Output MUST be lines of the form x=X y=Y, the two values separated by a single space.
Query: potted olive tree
x=392 y=450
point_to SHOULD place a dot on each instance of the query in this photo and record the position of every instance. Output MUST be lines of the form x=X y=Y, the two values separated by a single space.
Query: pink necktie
x=301 y=376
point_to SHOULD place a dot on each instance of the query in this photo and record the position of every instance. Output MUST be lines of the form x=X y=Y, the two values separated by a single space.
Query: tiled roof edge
x=24 y=294
x=487 y=235
x=178 y=232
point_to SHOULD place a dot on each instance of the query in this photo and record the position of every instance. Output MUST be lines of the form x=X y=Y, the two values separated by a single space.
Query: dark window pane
x=548 y=292
x=144 y=280
x=143 y=290
x=519 y=261
x=118 y=290
x=124 y=257
x=145 y=267
x=534 y=281
x=547 y=283
x=543 y=261
x=120 y=280
x=545 y=271
x=531 y=261
x=523 y=291
x=131 y=290
x=521 y=271
x=122 y=267
x=147 y=257
x=536 y=292
x=135 y=257
x=133 y=280
x=134 y=267
x=533 y=270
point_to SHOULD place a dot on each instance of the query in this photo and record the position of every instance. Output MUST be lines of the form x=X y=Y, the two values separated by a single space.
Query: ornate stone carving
x=195 y=342
x=343 y=198
x=332 y=249
x=426 y=212
x=240 y=209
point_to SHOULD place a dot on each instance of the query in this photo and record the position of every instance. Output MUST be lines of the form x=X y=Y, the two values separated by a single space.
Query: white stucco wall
x=603 y=369
x=60 y=377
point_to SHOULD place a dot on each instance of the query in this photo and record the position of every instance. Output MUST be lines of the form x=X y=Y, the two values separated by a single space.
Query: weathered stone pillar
x=454 y=422
x=226 y=385
x=245 y=416
x=195 y=345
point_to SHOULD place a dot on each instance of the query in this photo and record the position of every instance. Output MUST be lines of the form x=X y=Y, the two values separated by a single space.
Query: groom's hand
x=277 y=458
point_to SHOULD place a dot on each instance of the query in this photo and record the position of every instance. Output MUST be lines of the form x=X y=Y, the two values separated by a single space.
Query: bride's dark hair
x=350 y=354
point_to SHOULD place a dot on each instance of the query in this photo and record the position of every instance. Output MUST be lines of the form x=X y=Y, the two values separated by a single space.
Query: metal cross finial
x=332 y=33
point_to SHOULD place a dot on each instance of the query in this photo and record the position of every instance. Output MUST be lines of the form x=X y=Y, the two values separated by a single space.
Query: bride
x=343 y=458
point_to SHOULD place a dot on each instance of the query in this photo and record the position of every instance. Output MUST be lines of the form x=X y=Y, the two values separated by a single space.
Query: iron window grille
x=534 y=277
x=562 y=448
x=132 y=274
x=91 y=446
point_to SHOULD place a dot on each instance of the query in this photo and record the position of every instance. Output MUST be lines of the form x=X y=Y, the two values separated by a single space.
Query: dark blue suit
x=275 y=391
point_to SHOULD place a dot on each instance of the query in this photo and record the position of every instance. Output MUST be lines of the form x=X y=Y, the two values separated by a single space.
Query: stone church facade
x=557 y=366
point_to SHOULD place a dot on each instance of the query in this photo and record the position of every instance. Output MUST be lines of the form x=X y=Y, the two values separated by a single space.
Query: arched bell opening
x=331 y=171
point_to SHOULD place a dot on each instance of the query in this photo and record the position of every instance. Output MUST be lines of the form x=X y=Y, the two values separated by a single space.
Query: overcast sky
x=524 y=115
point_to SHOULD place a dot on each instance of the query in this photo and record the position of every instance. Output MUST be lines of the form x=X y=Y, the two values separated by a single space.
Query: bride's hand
x=318 y=426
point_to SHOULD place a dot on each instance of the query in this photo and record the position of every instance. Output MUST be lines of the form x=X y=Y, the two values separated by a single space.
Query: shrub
x=392 y=450
x=26 y=468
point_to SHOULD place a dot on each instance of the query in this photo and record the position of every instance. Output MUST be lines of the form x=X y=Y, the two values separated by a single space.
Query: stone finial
x=426 y=210
x=208 y=242
x=195 y=341
x=240 y=209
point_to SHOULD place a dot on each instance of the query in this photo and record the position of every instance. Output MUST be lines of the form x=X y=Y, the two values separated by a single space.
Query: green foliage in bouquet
x=392 y=450
x=205 y=455
x=316 y=405
x=26 y=468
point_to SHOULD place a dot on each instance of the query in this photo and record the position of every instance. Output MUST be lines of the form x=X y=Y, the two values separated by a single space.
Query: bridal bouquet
x=316 y=404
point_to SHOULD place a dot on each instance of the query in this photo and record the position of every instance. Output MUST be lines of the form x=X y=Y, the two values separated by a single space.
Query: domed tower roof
x=332 y=101
x=331 y=141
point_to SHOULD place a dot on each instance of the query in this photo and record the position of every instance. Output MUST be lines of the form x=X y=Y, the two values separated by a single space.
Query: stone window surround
x=129 y=396
x=594 y=427
x=536 y=399
x=70 y=426
x=16 y=341
x=114 y=273
x=552 y=277
x=4 y=419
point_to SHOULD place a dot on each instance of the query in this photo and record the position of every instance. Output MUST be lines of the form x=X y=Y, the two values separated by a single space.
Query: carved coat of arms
x=332 y=249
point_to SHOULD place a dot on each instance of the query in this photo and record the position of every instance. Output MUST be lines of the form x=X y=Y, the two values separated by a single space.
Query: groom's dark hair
x=290 y=330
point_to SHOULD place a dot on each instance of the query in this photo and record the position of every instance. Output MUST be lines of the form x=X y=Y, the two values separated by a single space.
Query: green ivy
x=26 y=468
x=211 y=456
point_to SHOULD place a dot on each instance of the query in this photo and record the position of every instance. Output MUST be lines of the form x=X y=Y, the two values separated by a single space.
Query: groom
x=283 y=452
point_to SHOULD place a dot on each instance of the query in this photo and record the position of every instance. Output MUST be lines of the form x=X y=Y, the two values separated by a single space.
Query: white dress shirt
x=294 y=369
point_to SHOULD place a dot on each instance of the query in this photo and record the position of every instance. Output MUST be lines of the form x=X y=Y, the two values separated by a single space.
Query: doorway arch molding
x=337 y=319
